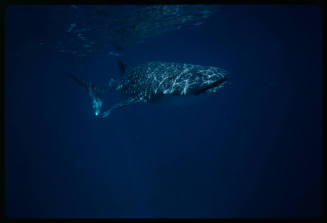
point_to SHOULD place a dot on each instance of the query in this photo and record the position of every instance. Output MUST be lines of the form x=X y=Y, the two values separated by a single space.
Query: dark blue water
x=252 y=150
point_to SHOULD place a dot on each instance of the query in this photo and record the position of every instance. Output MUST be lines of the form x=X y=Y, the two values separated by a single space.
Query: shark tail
x=94 y=91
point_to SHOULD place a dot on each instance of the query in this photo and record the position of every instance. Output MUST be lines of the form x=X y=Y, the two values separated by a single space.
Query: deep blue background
x=251 y=150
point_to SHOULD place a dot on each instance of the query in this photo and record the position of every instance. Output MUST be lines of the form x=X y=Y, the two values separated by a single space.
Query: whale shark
x=150 y=82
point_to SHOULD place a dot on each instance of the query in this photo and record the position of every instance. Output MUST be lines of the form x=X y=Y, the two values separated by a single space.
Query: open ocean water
x=253 y=149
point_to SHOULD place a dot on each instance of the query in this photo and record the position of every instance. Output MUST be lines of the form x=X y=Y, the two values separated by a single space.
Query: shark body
x=151 y=81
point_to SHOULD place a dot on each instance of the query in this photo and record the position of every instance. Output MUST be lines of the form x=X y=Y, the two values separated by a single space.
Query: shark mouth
x=213 y=85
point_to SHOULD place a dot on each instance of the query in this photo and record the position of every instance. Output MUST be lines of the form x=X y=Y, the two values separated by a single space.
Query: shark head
x=211 y=80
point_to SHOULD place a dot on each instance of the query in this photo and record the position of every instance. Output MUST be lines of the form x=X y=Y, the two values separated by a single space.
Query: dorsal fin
x=122 y=67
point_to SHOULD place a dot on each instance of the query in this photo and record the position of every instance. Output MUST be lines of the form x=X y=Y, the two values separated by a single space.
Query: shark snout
x=216 y=84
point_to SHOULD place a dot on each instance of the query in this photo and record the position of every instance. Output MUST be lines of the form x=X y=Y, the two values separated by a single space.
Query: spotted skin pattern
x=147 y=82
x=154 y=79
